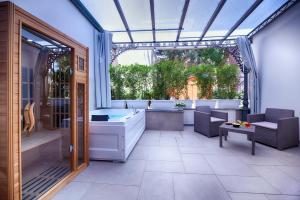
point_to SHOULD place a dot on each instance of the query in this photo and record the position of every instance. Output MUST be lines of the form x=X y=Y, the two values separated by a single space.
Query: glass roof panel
x=106 y=13
x=120 y=37
x=231 y=12
x=199 y=13
x=263 y=11
x=168 y=13
x=166 y=35
x=137 y=13
x=142 y=36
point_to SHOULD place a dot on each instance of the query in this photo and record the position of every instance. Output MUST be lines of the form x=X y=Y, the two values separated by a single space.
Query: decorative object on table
x=180 y=105
x=236 y=125
x=29 y=118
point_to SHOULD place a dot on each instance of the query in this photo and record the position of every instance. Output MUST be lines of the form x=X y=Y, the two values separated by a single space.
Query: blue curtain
x=103 y=44
x=250 y=64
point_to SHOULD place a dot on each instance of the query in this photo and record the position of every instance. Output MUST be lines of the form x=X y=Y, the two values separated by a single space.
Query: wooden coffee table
x=224 y=129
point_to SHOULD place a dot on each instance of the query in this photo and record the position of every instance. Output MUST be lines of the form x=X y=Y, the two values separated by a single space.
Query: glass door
x=46 y=113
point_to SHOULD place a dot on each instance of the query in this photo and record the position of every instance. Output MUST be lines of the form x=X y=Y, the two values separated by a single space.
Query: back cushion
x=274 y=114
x=205 y=109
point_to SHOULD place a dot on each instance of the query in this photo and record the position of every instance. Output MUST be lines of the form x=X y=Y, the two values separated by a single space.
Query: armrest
x=219 y=114
x=288 y=131
x=255 y=118
x=201 y=117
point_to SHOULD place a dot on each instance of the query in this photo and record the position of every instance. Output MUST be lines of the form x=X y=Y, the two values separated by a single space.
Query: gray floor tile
x=247 y=196
x=198 y=187
x=278 y=179
x=164 y=154
x=165 y=166
x=156 y=186
x=196 y=163
x=229 y=165
x=282 y=197
x=247 y=184
x=129 y=173
x=73 y=191
x=293 y=171
x=111 y=192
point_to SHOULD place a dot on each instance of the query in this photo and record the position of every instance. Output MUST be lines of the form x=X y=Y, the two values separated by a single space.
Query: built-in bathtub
x=114 y=139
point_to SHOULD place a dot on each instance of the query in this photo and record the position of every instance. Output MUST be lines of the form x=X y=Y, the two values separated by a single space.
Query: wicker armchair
x=208 y=121
x=278 y=128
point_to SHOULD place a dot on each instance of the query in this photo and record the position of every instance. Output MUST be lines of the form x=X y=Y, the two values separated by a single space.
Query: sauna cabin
x=43 y=106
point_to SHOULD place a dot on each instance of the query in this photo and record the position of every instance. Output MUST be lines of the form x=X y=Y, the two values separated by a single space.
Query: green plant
x=169 y=79
x=227 y=80
x=180 y=105
x=117 y=82
x=205 y=75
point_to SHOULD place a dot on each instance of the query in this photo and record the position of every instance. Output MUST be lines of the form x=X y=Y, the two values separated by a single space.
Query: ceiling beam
x=286 y=6
x=212 y=19
x=153 y=19
x=123 y=18
x=246 y=14
x=182 y=18
x=84 y=11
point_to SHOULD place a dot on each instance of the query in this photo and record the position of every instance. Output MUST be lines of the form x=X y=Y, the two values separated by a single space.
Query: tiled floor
x=170 y=165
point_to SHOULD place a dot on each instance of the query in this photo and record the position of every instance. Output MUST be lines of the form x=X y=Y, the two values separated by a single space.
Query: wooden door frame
x=17 y=19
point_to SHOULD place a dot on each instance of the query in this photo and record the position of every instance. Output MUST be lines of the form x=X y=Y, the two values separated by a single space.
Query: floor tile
x=282 y=197
x=156 y=186
x=278 y=179
x=195 y=163
x=247 y=184
x=293 y=171
x=73 y=191
x=111 y=192
x=229 y=165
x=165 y=141
x=247 y=196
x=129 y=173
x=164 y=154
x=198 y=187
x=165 y=166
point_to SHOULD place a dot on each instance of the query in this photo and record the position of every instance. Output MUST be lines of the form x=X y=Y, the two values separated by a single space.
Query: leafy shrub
x=227 y=80
x=205 y=75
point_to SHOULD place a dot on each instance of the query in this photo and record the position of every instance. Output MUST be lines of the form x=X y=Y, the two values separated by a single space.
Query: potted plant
x=180 y=105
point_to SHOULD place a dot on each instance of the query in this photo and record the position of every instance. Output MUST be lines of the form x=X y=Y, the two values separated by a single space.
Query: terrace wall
x=64 y=16
x=277 y=52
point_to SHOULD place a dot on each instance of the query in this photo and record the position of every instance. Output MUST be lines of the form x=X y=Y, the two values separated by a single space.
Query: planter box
x=228 y=103
x=162 y=104
x=142 y=104
x=118 y=104
x=207 y=102
x=188 y=103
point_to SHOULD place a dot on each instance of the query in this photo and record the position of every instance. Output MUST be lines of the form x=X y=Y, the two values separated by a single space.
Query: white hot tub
x=114 y=139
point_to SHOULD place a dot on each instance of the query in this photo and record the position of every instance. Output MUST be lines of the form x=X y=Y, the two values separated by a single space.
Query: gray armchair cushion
x=265 y=124
x=274 y=114
x=215 y=119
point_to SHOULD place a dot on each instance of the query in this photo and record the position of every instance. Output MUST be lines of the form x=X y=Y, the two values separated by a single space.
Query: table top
x=241 y=129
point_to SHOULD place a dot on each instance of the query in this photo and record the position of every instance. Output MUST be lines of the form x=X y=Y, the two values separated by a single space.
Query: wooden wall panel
x=4 y=20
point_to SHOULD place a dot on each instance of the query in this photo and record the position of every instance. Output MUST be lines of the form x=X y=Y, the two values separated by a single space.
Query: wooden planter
x=12 y=19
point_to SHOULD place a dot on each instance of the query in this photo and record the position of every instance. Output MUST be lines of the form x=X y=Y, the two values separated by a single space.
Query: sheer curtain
x=250 y=64
x=103 y=45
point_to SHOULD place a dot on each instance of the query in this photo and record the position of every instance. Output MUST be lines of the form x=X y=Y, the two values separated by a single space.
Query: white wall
x=277 y=53
x=65 y=17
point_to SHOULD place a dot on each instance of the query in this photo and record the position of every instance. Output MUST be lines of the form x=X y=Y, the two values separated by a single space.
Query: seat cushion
x=265 y=124
x=215 y=119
